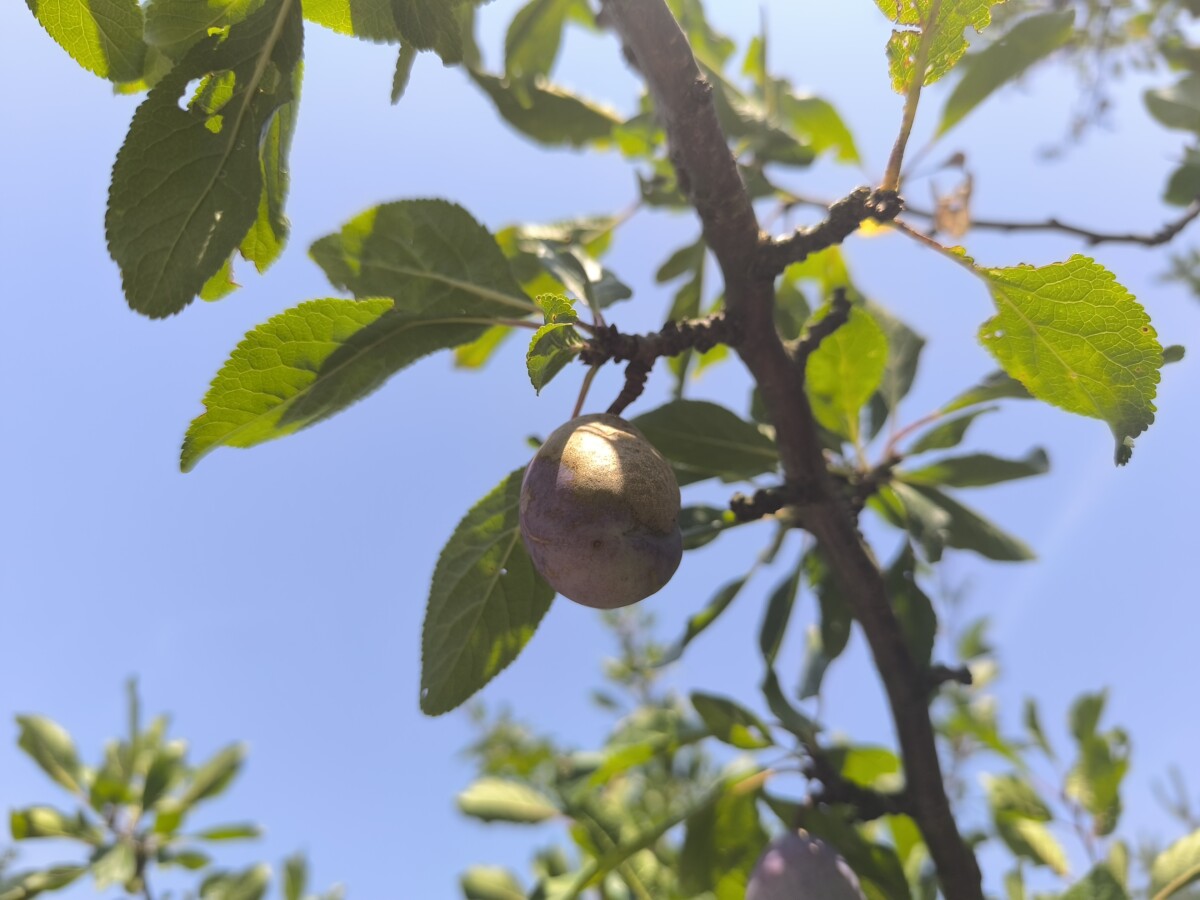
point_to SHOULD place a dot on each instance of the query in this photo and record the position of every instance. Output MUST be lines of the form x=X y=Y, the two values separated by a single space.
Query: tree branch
x=709 y=177
x=845 y=217
x=1164 y=235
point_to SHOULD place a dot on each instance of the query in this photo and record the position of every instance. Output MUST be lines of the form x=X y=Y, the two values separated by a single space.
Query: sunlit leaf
x=500 y=800
x=844 y=371
x=49 y=745
x=704 y=440
x=977 y=470
x=947 y=40
x=103 y=36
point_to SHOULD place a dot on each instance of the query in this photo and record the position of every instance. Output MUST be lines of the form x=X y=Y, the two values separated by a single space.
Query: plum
x=600 y=513
x=797 y=866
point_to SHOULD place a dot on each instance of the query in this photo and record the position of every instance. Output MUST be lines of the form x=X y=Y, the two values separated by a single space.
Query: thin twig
x=838 y=315
x=891 y=178
x=1164 y=235
x=845 y=217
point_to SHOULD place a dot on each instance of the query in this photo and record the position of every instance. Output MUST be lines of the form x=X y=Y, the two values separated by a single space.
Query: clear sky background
x=275 y=595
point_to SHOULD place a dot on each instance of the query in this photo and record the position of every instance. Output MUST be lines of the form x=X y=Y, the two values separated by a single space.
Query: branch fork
x=845 y=217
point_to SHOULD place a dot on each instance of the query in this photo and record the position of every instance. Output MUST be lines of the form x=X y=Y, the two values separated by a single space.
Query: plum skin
x=796 y=866
x=599 y=513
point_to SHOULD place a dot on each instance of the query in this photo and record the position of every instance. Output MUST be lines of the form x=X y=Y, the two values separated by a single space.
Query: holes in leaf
x=189 y=92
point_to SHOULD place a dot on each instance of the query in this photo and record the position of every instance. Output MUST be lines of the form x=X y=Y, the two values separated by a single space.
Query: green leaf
x=164 y=772
x=915 y=513
x=547 y=113
x=490 y=883
x=1176 y=867
x=1085 y=715
x=1173 y=354
x=731 y=723
x=555 y=344
x=1033 y=724
x=876 y=864
x=1098 y=884
x=778 y=614
x=501 y=800
x=265 y=240
x=212 y=777
x=533 y=37
x=950 y=432
x=817 y=123
x=240 y=831
x=996 y=386
x=703 y=440
x=912 y=607
x=371 y=20
x=1177 y=106
x=49 y=745
x=1011 y=795
x=429 y=255
x=250 y=884
x=826 y=642
x=789 y=717
x=701 y=525
x=48 y=822
x=721 y=845
x=1095 y=779
x=174 y=26
x=1029 y=41
x=432 y=26
x=115 y=865
x=400 y=77
x=192 y=860
x=476 y=354
x=844 y=371
x=30 y=884
x=967 y=530
x=948 y=43
x=904 y=348
x=485 y=602
x=977 y=470
x=295 y=877
x=871 y=767
x=103 y=36
x=1078 y=340
x=701 y=620
x=172 y=232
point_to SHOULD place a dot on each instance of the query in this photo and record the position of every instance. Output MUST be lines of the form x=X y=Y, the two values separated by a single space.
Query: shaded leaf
x=827 y=641
x=721 y=845
x=701 y=620
x=48 y=822
x=977 y=470
x=29 y=884
x=172 y=232
x=1098 y=884
x=1176 y=867
x=967 y=530
x=996 y=386
x=1029 y=41
x=704 y=440
x=731 y=722
x=485 y=602
x=701 y=525
x=1177 y=106
x=371 y=20
x=49 y=745
x=295 y=877
x=239 y=831
x=533 y=37
x=778 y=614
x=490 y=883
x=1078 y=340
x=212 y=777
x=403 y=72
x=173 y=26
x=948 y=433
x=912 y=607
x=547 y=113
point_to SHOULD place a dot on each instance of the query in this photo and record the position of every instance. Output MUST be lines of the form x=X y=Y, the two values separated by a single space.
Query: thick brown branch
x=709 y=176
x=1164 y=235
x=845 y=217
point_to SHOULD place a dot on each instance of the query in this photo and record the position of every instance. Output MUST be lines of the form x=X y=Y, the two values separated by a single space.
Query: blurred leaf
x=250 y=884
x=432 y=26
x=164 y=773
x=103 y=36
x=731 y=723
x=499 y=800
x=1033 y=725
x=827 y=642
x=912 y=607
x=904 y=507
x=1078 y=340
x=721 y=845
x=174 y=26
x=996 y=386
x=967 y=530
x=870 y=767
x=212 y=777
x=845 y=370
x=701 y=620
x=192 y=860
x=1029 y=41
x=1173 y=354
x=1098 y=884
x=48 y=822
x=1176 y=867
x=234 y=832
x=485 y=602
x=490 y=883
x=295 y=877
x=701 y=525
x=1177 y=106
x=948 y=433
x=49 y=745
x=817 y=123
x=947 y=41
x=29 y=884
x=904 y=348
x=477 y=353
x=547 y=113
x=875 y=864
x=703 y=440
x=533 y=37
x=114 y=865
x=790 y=718
x=1085 y=714
x=171 y=233
x=778 y=614
x=403 y=73
x=977 y=470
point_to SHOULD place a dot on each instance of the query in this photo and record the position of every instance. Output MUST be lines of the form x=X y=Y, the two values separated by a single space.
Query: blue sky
x=275 y=595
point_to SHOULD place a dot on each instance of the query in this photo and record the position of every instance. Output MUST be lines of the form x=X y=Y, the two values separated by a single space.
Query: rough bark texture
x=709 y=176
